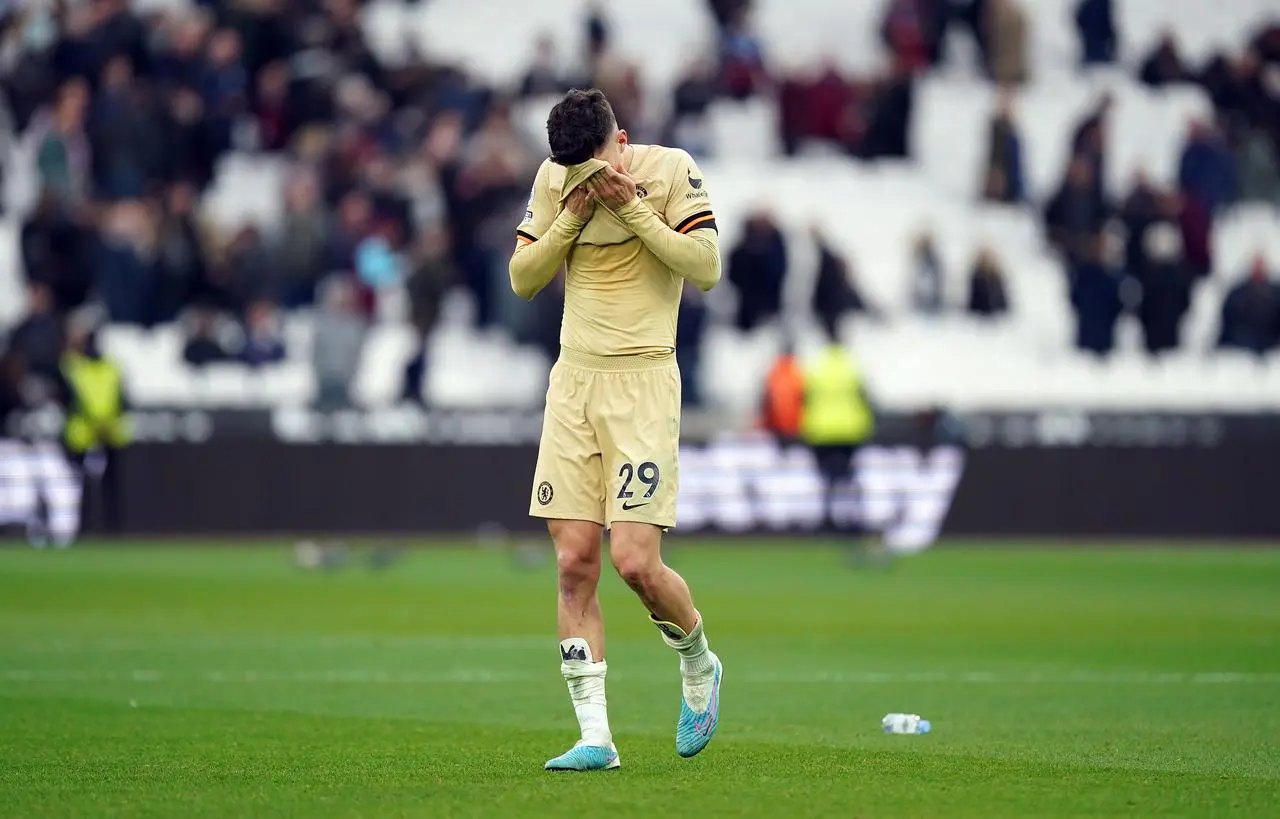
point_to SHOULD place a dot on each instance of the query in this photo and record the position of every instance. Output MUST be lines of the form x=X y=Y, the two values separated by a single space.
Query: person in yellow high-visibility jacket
x=98 y=425
x=837 y=417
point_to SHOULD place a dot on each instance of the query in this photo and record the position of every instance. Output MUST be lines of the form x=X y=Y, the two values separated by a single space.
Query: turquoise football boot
x=583 y=757
x=694 y=730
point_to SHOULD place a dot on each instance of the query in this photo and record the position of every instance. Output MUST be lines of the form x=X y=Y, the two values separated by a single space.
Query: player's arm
x=687 y=241
x=544 y=237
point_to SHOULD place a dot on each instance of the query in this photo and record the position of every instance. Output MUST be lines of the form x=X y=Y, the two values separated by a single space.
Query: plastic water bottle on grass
x=905 y=724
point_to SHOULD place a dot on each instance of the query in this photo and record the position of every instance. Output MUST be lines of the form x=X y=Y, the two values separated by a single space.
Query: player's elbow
x=709 y=274
x=522 y=284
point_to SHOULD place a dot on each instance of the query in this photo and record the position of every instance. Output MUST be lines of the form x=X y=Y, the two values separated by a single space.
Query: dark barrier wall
x=1227 y=490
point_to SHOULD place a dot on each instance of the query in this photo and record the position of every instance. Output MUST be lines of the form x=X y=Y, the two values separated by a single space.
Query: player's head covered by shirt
x=581 y=127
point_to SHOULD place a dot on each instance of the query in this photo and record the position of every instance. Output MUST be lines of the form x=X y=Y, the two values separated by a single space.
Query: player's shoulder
x=660 y=157
x=550 y=174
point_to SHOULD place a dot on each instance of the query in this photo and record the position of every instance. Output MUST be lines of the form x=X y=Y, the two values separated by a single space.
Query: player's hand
x=613 y=188
x=581 y=202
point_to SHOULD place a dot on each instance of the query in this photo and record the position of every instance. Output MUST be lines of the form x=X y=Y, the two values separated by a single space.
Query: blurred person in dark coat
x=55 y=250
x=1196 y=223
x=202 y=346
x=125 y=264
x=1251 y=312
x=1164 y=65
x=1091 y=139
x=835 y=290
x=1142 y=208
x=340 y=330
x=1207 y=170
x=1166 y=289
x=431 y=277
x=758 y=270
x=1075 y=215
x=125 y=133
x=889 y=125
x=38 y=337
x=181 y=258
x=263 y=336
x=927 y=288
x=691 y=325
x=224 y=87
x=988 y=296
x=543 y=76
x=1095 y=21
x=1095 y=296
x=1003 y=179
x=272 y=107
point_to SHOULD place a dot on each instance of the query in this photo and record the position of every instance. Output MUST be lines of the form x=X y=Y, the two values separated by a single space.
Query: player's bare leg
x=581 y=628
x=636 y=551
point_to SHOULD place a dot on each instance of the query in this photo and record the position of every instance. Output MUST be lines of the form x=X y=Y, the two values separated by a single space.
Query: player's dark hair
x=578 y=126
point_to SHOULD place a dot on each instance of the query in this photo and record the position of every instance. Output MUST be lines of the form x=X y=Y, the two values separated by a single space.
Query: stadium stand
x=870 y=211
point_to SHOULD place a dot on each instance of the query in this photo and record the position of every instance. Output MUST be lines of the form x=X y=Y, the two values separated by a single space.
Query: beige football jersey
x=620 y=298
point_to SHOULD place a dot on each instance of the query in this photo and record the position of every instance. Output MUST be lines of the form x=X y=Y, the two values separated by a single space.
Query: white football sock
x=585 y=679
x=697 y=663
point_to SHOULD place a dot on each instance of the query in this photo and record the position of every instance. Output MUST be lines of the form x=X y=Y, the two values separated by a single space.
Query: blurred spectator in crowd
x=742 y=66
x=224 y=87
x=1095 y=295
x=757 y=271
x=1164 y=65
x=263 y=336
x=272 y=107
x=905 y=31
x=38 y=337
x=927 y=288
x=1207 y=171
x=1258 y=165
x=825 y=107
x=1006 y=25
x=726 y=11
x=180 y=253
x=1251 y=312
x=691 y=325
x=298 y=252
x=835 y=291
x=432 y=275
x=783 y=404
x=1166 y=289
x=1089 y=140
x=203 y=346
x=1002 y=179
x=244 y=274
x=1074 y=215
x=188 y=139
x=340 y=329
x=127 y=154
x=1095 y=21
x=1196 y=224
x=63 y=155
x=889 y=123
x=988 y=297
x=53 y=246
x=1144 y=207
x=1238 y=89
x=124 y=268
x=543 y=75
x=693 y=94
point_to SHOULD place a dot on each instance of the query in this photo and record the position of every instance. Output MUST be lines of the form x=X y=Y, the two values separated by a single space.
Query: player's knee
x=577 y=555
x=637 y=565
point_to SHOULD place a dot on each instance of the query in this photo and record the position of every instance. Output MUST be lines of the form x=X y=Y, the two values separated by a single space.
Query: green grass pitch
x=204 y=681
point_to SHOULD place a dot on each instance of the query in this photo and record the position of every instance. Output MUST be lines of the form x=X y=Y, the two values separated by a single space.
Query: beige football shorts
x=610 y=441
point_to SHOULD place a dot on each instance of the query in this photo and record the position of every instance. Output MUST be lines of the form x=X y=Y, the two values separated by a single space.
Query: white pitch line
x=484 y=677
